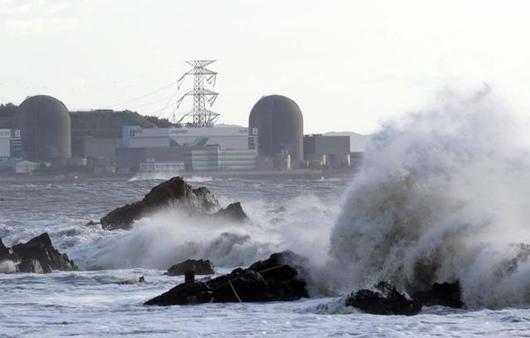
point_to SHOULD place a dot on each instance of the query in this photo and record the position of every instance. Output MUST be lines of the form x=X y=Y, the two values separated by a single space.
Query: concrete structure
x=201 y=148
x=213 y=158
x=327 y=151
x=10 y=144
x=237 y=159
x=226 y=137
x=45 y=128
x=152 y=166
x=202 y=158
x=101 y=148
x=129 y=159
x=107 y=125
x=279 y=124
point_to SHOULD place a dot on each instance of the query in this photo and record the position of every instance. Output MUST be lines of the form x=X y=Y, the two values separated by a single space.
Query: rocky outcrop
x=383 y=300
x=233 y=211
x=37 y=255
x=198 y=266
x=174 y=191
x=445 y=294
x=264 y=281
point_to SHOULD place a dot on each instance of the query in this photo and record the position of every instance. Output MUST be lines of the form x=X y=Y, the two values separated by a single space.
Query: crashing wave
x=441 y=196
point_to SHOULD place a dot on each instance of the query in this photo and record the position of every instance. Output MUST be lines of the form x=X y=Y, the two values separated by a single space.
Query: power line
x=166 y=105
x=144 y=95
x=152 y=102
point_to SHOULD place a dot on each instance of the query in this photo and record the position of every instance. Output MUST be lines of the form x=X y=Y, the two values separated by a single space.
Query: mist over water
x=170 y=236
x=442 y=195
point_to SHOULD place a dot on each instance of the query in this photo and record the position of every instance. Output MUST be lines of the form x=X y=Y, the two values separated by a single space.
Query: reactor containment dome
x=280 y=126
x=45 y=129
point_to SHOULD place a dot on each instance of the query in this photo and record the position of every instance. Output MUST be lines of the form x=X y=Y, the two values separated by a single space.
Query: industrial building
x=201 y=148
x=96 y=134
x=322 y=151
x=43 y=133
x=10 y=144
x=279 y=124
x=45 y=129
x=226 y=137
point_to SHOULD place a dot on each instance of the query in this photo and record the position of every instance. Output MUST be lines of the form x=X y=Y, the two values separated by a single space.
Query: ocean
x=105 y=300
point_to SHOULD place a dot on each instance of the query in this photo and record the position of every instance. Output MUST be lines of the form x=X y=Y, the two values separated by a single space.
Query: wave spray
x=442 y=195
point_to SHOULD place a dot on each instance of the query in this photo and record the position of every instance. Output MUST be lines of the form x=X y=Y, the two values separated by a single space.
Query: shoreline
x=254 y=174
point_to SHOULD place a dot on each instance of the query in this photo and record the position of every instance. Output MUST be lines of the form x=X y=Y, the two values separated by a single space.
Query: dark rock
x=445 y=294
x=199 y=266
x=184 y=294
x=384 y=300
x=265 y=281
x=173 y=191
x=6 y=254
x=92 y=223
x=233 y=211
x=38 y=255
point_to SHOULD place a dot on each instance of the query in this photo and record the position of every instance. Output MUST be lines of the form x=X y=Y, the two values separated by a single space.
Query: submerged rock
x=38 y=255
x=198 y=266
x=264 y=281
x=383 y=300
x=233 y=211
x=445 y=294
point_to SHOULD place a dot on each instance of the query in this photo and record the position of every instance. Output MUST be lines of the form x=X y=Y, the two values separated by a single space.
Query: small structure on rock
x=198 y=266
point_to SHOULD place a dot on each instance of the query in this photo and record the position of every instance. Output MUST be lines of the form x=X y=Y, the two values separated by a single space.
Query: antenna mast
x=200 y=115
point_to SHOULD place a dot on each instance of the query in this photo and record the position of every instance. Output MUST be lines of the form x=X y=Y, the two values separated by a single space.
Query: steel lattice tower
x=200 y=115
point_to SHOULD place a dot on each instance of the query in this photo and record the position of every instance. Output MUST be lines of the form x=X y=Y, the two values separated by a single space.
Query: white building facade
x=206 y=149
x=10 y=144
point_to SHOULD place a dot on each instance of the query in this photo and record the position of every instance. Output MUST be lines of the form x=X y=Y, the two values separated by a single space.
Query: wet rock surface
x=173 y=192
x=38 y=255
x=5 y=252
x=445 y=294
x=198 y=266
x=264 y=281
x=233 y=211
x=383 y=300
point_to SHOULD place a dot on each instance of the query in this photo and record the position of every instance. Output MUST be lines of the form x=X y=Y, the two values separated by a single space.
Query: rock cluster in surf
x=38 y=255
x=276 y=279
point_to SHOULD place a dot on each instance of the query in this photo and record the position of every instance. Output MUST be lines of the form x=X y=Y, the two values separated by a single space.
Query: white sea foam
x=441 y=196
x=170 y=236
x=8 y=266
x=166 y=176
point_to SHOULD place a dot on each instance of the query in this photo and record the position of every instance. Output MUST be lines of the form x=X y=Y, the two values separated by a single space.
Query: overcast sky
x=348 y=64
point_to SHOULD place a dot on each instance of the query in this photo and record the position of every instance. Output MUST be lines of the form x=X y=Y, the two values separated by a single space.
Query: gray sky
x=348 y=64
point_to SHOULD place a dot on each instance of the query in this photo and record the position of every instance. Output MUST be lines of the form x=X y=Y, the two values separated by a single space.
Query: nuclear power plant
x=45 y=129
x=41 y=133
x=279 y=124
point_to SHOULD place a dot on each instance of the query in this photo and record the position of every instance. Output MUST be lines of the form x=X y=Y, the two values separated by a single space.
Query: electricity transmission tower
x=200 y=116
